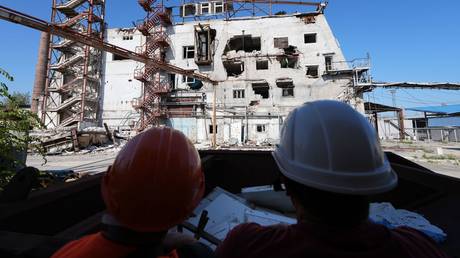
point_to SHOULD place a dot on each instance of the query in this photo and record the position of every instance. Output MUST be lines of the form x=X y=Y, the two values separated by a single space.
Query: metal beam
x=65 y=32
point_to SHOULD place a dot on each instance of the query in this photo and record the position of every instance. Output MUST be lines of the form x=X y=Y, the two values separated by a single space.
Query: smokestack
x=40 y=71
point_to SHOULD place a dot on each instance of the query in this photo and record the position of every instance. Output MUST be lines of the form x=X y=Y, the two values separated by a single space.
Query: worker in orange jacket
x=154 y=184
x=330 y=162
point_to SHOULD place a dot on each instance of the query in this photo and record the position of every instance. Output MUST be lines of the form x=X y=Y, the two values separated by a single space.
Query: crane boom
x=10 y=15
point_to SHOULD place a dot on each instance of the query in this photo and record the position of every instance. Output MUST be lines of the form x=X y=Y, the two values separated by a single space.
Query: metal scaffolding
x=155 y=82
x=73 y=84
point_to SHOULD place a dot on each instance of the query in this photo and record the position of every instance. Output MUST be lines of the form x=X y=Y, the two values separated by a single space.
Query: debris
x=385 y=214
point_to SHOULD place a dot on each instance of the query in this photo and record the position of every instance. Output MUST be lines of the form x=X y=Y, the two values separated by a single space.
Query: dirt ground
x=442 y=158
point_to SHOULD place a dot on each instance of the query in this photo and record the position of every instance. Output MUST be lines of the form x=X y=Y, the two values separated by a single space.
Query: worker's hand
x=174 y=240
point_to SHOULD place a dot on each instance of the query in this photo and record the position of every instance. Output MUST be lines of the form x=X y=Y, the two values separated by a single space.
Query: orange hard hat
x=155 y=181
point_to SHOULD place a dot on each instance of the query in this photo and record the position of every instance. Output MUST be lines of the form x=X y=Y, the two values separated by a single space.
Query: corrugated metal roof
x=440 y=110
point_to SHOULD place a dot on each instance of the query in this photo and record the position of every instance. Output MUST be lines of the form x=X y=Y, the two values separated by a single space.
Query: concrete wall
x=119 y=86
x=237 y=119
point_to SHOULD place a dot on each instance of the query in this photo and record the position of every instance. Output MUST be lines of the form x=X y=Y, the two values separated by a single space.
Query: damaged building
x=264 y=67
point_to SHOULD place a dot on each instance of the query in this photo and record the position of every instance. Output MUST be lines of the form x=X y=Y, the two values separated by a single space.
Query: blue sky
x=408 y=40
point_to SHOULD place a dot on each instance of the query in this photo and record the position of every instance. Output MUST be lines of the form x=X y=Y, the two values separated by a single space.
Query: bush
x=15 y=124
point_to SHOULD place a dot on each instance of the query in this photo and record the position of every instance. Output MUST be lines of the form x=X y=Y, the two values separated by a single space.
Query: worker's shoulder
x=417 y=243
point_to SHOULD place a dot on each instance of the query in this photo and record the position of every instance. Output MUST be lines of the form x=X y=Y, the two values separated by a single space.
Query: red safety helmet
x=155 y=181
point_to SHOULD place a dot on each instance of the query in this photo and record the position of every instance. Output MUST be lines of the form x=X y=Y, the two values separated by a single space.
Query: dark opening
x=188 y=10
x=288 y=61
x=172 y=79
x=260 y=128
x=261 y=89
x=210 y=129
x=312 y=71
x=188 y=52
x=238 y=94
x=328 y=61
x=281 y=42
x=262 y=65
x=247 y=43
x=309 y=38
x=287 y=87
x=118 y=58
x=234 y=68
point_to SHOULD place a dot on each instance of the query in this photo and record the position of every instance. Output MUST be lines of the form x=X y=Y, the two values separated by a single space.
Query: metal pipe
x=40 y=71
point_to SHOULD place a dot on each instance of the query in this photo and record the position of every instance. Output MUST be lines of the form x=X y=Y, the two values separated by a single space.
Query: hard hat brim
x=378 y=181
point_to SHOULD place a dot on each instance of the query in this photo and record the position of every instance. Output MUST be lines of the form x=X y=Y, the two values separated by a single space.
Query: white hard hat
x=329 y=146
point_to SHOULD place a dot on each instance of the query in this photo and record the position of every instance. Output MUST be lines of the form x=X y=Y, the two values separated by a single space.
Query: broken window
x=204 y=37
x=247 y=43
x=188 y=80
x=288 y=92
x=312 y=71
x=288 y=61
x=238 y=94
x=281 y=42
x=260 y=128
x=309 y=38
x=328 y=62
x=262 y=65
x=262 y=89
x=204 y=8
x=188 y=10
x=210 y=129
x=128 y=37
x=234 y=68
x=118 y=58
x=287 y=87
x=188 y=52
x=218 y=7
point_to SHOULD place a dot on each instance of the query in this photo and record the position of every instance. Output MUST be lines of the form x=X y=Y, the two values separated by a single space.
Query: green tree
x=15 y=124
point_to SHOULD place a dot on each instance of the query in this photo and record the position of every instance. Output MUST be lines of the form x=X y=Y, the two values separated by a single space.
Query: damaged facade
x=265 y=67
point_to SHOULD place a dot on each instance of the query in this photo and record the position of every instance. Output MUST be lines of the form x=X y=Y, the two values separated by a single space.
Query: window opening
x=262 y=65
x=312 y=71
x=309 y=38
x=261 y=89
x=238 y=94
x=188 y=52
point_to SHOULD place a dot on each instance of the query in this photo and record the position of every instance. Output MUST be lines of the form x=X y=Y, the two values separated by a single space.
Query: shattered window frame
x=238 y=93
x=188 y=52
x=310 y=38
x=188 y=10
x=262 y=89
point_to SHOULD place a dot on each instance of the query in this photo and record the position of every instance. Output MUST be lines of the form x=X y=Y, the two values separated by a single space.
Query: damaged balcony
x=357 y=69
x=204 y=44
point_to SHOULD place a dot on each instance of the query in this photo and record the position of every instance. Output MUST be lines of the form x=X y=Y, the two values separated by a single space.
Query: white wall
x=119 y=91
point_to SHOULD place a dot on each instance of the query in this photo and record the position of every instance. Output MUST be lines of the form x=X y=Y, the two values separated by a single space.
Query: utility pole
x=214 y=127
x=393 y=97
